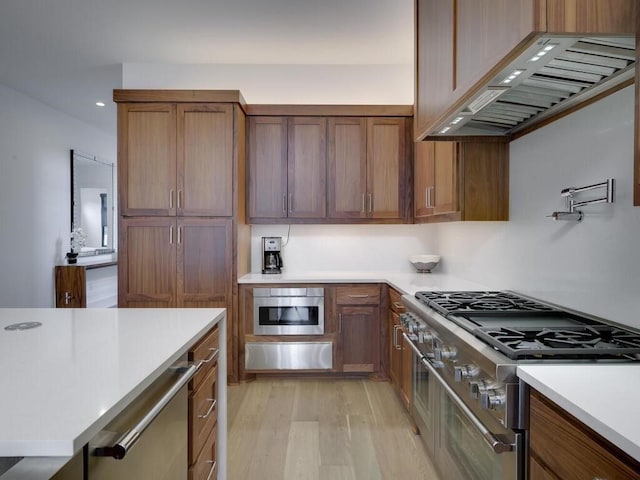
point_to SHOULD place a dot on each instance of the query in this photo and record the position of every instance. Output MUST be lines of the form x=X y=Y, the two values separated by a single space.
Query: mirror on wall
x=92 y=202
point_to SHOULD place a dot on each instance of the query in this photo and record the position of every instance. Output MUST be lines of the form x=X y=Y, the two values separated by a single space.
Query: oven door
x=466 y=448
x=288 y=315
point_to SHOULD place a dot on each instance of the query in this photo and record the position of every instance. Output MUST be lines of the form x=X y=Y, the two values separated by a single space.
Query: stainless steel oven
x=470 y=344
x=464 y=444
x=288 y=311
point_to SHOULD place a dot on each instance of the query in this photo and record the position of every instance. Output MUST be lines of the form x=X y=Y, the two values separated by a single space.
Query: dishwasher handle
x=128 y=440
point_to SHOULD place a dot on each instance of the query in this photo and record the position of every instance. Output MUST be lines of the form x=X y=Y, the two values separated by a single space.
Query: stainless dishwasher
x=148 y=440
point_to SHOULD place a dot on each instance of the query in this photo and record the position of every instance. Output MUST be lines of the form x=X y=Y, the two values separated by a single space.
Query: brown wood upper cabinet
x=287 y=167
x=175 y=159
x=367 y=168
x=461 y=181
x=330 y=169
x=462 y=44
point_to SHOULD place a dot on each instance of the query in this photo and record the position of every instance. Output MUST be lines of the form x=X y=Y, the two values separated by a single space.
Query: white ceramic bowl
x=424 y=263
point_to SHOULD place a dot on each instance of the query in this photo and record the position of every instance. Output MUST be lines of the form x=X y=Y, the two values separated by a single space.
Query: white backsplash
x=592 y=266
x=344 y=247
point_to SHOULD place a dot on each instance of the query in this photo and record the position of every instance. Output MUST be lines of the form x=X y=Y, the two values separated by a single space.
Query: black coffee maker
x=271 y=259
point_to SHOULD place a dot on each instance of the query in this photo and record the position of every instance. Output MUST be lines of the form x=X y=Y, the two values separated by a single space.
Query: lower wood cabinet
x=81 y=286
x=203 y=411
x=358 y=311
x=563 y=448
x=400 y=353
x=169 y=262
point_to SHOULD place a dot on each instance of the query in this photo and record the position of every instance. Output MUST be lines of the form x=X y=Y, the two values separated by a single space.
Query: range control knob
x=465 y=371
x=492 y=399
x=425 y=335
x=446 y=353
x=478 y=387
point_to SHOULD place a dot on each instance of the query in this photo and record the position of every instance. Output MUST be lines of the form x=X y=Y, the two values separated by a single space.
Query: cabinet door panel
x=204 y=263
x=359 y=344
x=147 y=263
x=395 y=348
x=424 y=179
x=307 y=167
x=268 y=167
x=446 y=180
x=70 y=287
x=385 y=167
x=147 y=159
x=205 y=160
x=347 y=167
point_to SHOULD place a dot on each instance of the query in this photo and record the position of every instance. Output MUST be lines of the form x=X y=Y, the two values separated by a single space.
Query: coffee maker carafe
x=271 y=259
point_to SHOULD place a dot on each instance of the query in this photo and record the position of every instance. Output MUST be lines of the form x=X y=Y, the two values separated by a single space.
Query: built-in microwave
x=288 y=311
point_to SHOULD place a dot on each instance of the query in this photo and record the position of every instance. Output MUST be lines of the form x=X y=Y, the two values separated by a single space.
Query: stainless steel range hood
x=552 y=75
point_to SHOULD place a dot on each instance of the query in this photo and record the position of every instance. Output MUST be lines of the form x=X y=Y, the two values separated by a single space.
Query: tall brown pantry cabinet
x=182 y=233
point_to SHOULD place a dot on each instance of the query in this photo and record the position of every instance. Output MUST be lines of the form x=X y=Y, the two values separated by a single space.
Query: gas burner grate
x=479 y=301
x=579 y=341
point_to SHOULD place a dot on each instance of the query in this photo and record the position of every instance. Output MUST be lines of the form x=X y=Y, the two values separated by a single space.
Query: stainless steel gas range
x=467 y=401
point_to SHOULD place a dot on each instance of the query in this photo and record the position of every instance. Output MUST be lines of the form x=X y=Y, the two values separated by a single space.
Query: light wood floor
x=321 y=430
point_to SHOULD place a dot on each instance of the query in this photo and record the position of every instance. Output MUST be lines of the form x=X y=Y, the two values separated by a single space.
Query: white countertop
x=408 y=283
x=65 y=380
x=605 y=397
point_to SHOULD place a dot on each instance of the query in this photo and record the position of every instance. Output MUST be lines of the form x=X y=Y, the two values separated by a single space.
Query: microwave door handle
x=496 y=445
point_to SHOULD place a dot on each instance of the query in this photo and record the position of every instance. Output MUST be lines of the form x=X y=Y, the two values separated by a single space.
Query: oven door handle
x=496 y=445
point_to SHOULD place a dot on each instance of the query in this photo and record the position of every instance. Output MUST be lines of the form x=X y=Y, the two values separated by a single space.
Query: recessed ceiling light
x=99 y=104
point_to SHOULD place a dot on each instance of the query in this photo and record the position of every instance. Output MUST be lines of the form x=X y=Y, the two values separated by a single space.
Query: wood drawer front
x=202 y=417
x=366 y=295
x=395 y=301
x=570 y=449
x=205 y=351
x=206 y=467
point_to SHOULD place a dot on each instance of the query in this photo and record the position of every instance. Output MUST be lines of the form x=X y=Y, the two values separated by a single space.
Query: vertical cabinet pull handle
x=171 y=235
x=284 y=203
x=180 y=235
x=171 y=193
x=370 y=203
x=429 y=203
x=364 y=208
x=179 y=198
x=291 y=203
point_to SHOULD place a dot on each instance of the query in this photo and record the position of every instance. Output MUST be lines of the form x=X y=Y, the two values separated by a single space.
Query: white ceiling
x=68 y=53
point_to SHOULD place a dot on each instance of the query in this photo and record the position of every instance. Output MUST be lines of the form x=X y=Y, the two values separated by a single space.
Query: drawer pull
x=398 y=305
x=213 y=356
x=213 y=467
x=213 y=405
x=359 y=296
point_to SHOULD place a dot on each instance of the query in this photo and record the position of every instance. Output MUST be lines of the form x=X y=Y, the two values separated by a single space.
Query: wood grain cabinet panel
x=175 y=159
x=267 y=167
x=347 y=167
x=307 y=167
x=205 y=160
x=336 y=169
x=147 y=159
x=395 y=338
x=461 y=181
x=166 y=262
x=358 y=313
x=70 y=287
x=563 y=447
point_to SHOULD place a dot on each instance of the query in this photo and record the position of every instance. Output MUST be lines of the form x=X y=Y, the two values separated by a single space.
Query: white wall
x=284 y=84
x=34 y=193
x=592 y=266
x=380 y=248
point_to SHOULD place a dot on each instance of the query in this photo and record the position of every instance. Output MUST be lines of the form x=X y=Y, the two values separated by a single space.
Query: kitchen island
x=65 y=380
